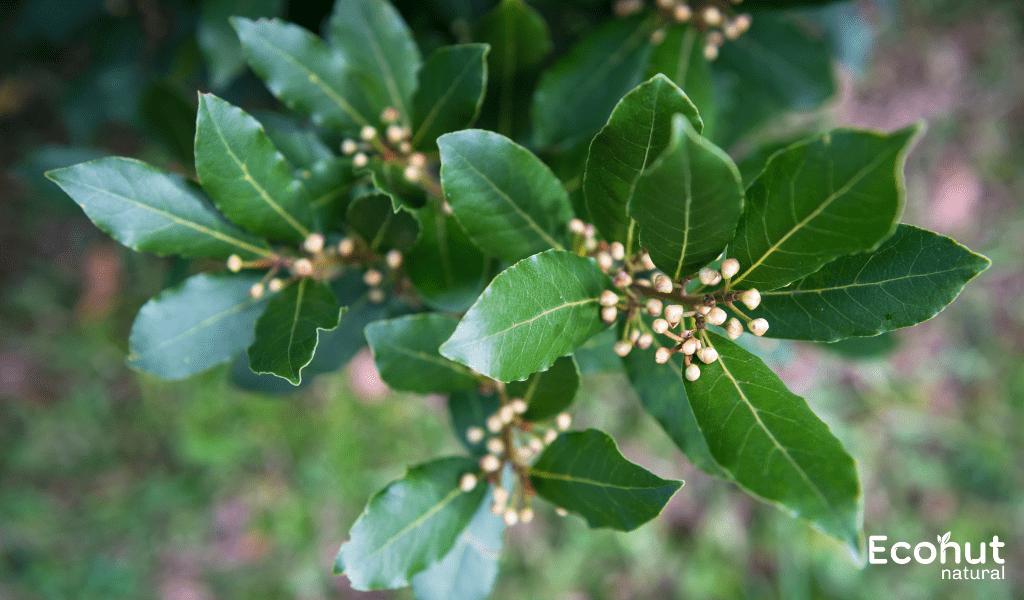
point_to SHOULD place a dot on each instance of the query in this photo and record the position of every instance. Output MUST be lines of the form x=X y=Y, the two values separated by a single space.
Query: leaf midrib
x=452 y=495
x=854 y=285
x=530 y=320
x=574 y=479
x=436 y=108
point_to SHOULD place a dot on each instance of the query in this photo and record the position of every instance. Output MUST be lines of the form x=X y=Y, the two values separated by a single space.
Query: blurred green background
x=116 y=485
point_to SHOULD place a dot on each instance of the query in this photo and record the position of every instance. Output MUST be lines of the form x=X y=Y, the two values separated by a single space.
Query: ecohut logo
x=946 y=552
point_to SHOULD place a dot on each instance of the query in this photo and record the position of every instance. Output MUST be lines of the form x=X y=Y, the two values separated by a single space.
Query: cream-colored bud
x=577 y=226
x=645 y=341
x=734 y=328
x=609 y=314
x=742 y=22
x=622 y=280
x=346 y=246
x=447 y=208
x=474 y=435
x=657 y=37
x=511 y=516
x=467 y=482
x=682 y=13
x=731 y=31
x=561 y=511
x=518 y=406
x=526 y=515
x=692 y=373
x=412 y=174
x=707 y=355
x=712 y=16
x=506 y=414
x=405 y=147
x=751 y=298
x=313 y=243
x=393 y=259
x=256 y=291
x=707 y=276
x=524 y=453
x=536 y=444
x=417 y=159
x=302 y=267
x=654 y=307
x=499 y=495
x=360 y=160
x=495 y=446
x=661 y=355
x=758 y=327
x=375 y=296
x=715 y=38
x=608 y=298
x=389 y=115
x=644 y=282
x=490 y=463
x=234 y=263
x=690 y=346
x=617 y=250
x=394 y=133
x=494 y=424
x=666 y=4
x=604 y=260
x=634 y=335
x=729 y=267
x=550 y=435
x=645 y=262
x=663 y=284
x=673 y=314
x=497 y=509
x=624 y=8
x=368 y=133
x=349 y=147
x=703 y=309
x=563 y=421
x=622 y=347
x=275 y=285
x=716 y=316
x=710 y=53
x=659 y=326
x=372 y=277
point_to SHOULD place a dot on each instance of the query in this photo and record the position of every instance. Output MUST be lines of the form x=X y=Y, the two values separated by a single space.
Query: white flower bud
x=716 y=38
x=497 y=509
x=666 y=4
x=467 y=482
x=609 y=314
x=389 y=115
x=500 y=495
x=712 y=16
x=657 y=37
x=707 y=355
x=417 y=159
x=275 y=285
x=518 y=406
x=734 y=328
x=731 y=31
x=490 y=463
x=617 y=250
x=692 y=372
x=634 y=335
x=659 y=326
x=742 y=22
x=751 y=298
x=368 y=133
x=405 y=147
x=536 y=444
x=673 y=314
x=729 y=267
x=758 y=327
x=561 y=511
x=663 y=284
x=375 y=296
x=234 y=263
x=690 y=346
x=346 y=246
x=494 y=424
x=577 y=226
x=511 y=516
x=256 y=291
x=644 y=282
x=716 y=316
x=302 y=267
x=563 y=421
x=682 y=13
x=412 y=174
x=604 y=260
x=474 y=435
x=550 y=435
x=710 y=53
x=661 y=355
x=654 y=307
x=622 y=280
x=349 y=147
x=624 y=8
x=524 y=453
x=394 y=133
x=495 y=446
x=393 y=258
x=608 y=298
x=447 y=208
x=360 y=160
x=372 y=277
x=526 y=515
x=506 y=414
x=645 y=261
x=708 y=276
x=622 y=347
x=645 y=341
x=704 y=310
x=313 y=243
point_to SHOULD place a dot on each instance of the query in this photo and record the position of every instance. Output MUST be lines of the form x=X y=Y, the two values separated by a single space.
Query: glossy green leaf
x=410 y=525
x=372 y=217
x=550 y=392
x=329 y=183
x=288 y=332
x=149 y=210
x=509 y=202
x=470 y=408
x=575 y=96
x=534 y=312
x=864 y=347
x=663 y=396
x=405 y=351
x=170 y=116
x=451 y=91
x=680 y=57
x=374 y=38
x=833 y=194
x=518 y=36
x=306 y=74
x=909 y=279
x=445 y=267
x=300 y=144
x=245 y=175
x=637 y=133
x=199 y=324
x=770 y=442
x=584 y=472
x=468 y=571
x=217 y=40
x=389 y=179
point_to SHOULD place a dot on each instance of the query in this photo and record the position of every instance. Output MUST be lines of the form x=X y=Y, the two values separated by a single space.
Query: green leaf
x=583 y=472
x=470 y=408
x=770 y=442
x=864 y=347
x=833 y=194
x=909 y=279
x=518 y=36
x=637 y=133
x=389 y=179
x=287 y=333
x=550 y=392
x=374 y=38
x=687 y=203
x=534 y=312
x=575 y=96
x=410 y=525
x=170 y=116
x=372 y=217
x=307 y=75
x=663 y=396
x=445 y=267
x=298 y=143
x=680 y=57
x=509 y=202
x=328 y=183
x=245 y=175
x=149 y=210
x=199 y=324
x=405 y=351
x=218 y=42
x=597 y=354
x=468 y=571
x=451 y=91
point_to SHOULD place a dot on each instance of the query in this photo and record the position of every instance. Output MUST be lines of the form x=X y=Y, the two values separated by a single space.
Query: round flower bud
x=447 y=208
x=536 y=444
x=349 y=147
x=417 y=159
x=313 y=243
x=690 y=346
x=716 y=316
x=707 y=276
x=394 y=133
x=715 y=38
x=490 y=463
x=707 y=355
x=644 y=282
x=617 y=250
x=506 y=414
x=692 y=372
x=673 y=314
x=405 y=147
x=608 y=298
x=659 y=326
x=666 y=4
x=393 y=258
x=634 y=336
x=518 y=406
x=682 y=13
x=654 y=307
x=751 y=298
x=550 y=435
x=645 y=262
x=389 y=115
x=511 y=516
x=234 y=263
x=412 y=174
x=500 y=495
x=346 y=246
x=494 y=424
x=256 y=291
x=731 y=31
x=275 y=285
x=524 y=453
x=662 y=355
x=561 y=511
x=526 y=515
x=622 y=347
x=302 y=267
x=710 y=53
x=495 y=445
x=622 y=279
x=712 y=16
x=645 y=341
x=734 y=328
x=758 y=327
x=604 y=260
x=657 y=37
x=474 y=435
x=496 y=509
x=372 y=277
x=609 y=314
x=359 y=160
x=663 y=284
x=375 y=296
x=729 y=267
x=704 y=310
x=577 y=226
x=563 y=421
x=368 y=133
x=742 y=22
x=467 y=482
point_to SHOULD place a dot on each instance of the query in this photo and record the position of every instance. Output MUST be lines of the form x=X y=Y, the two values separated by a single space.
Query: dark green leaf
x=245 y=175
x=223 y=53
x=833 y=194
x=446 y=268
x=534 y=312
x=470 y=408
x=170 y=116
x=770 y=442
x=199 y=324
x=638 y=132
x=149 y=210
x=575 y=96
x=307 y=75
x=864 y=347
x=298 y=143
x=372 y=217
x=518 y=36
x=328 y=183
x=452 y=85
x=509 y=202
x=288 y=332
x=680 y=57
x=410 y=525
x=389 y=179
x=583 y=472
x=597 y=354
x=909 y=279
x=405 y=351
x=550 y=392
x=374 y=38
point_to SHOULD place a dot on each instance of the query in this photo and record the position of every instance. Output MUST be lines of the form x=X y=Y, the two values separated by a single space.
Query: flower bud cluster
x=392 y=144
x=715 y=19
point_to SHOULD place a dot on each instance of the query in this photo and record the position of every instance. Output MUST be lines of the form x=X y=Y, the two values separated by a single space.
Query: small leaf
x=405 y=351
x=410 y=525
x=469 y=408
x=389 y=179
x=199 y=324
x=833 y=194
x=687 y=203
x=550 y=392
x=218 y=42
x=372 y=217
x=638 y=132
x=583 y=472
x=509 y=202
x=680 y=57
x=534 y=312
x=445 y=267
x=372 y=35
x=518 y=36
x=245 y=175
x=149 y=210
x=909 y=279
x=770 y=442
x=451 y=91
x=287 y=333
